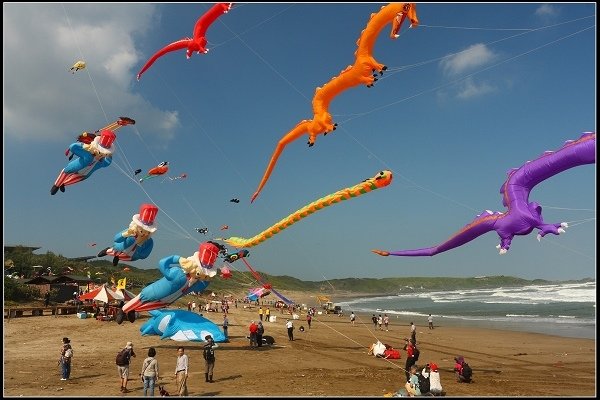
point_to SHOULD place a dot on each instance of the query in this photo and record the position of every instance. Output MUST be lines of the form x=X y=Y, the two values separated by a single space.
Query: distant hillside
x=22 y=260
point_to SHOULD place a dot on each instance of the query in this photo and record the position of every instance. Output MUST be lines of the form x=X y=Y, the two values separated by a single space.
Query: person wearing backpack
x=122 y=361
x=66 y=354
x=463 y=371
x=424 y=380
x=209 y=356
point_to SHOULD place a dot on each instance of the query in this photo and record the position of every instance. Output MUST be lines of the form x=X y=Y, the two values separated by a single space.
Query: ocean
x=565 y=309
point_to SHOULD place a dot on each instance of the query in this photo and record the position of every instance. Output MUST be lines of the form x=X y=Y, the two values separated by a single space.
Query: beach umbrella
x=127 y=295
x=102 y=293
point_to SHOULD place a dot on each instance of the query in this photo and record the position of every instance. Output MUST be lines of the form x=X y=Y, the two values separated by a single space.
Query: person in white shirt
x=435 y=384
x=290 y=329
x=181 y=371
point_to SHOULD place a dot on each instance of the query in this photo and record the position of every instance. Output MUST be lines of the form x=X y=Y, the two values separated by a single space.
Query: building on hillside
x=64 y=285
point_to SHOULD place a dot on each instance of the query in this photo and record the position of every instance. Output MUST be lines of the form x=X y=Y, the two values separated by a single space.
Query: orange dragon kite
x=362 y=72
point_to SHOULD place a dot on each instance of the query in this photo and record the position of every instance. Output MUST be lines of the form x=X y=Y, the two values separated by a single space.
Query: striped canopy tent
x=103 y=293
x=127 y=295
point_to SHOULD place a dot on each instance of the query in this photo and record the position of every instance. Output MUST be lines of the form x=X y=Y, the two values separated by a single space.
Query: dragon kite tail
x=382 y=179
x=300 y=129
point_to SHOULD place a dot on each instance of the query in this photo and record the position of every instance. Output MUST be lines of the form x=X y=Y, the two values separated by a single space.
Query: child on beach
x=412 y=386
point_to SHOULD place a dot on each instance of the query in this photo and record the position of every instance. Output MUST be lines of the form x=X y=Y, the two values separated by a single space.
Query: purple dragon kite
x=522 y=216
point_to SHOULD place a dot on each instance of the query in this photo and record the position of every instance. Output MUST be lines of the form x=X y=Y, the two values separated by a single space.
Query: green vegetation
x=14 y=290
x=102 y=271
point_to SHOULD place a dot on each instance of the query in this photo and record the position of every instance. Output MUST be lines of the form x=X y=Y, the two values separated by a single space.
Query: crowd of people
x=425 y=381
x=150 y=372
x=419 y=381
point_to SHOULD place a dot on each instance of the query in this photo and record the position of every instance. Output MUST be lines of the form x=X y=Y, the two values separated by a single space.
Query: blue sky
x=473 y=91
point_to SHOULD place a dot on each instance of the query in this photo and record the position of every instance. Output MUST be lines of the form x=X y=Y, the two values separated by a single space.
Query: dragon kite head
x=382 y=179
x=408 y=10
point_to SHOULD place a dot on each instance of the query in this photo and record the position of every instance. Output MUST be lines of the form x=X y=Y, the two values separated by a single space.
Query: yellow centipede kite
x=363 y=71
x=382 y=179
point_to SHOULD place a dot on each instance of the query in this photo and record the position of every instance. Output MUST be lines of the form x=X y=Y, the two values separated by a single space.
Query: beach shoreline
x=557 y=317
x=329 y=359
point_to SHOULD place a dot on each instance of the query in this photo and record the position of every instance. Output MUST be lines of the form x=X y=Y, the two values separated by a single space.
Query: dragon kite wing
x=522 y=216
x=362 y=72
x=382 y=179
x=197 y=42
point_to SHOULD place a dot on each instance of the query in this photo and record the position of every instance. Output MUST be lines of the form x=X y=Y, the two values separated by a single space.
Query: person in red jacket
x=253 y=337
x=410 y=360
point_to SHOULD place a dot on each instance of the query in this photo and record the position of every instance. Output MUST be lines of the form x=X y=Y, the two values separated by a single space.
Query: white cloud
x=469 y=89
x=546 y=10
x=473 y=57
x=43 y=100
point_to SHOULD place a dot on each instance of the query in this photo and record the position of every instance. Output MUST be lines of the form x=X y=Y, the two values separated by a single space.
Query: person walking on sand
x=290 y=329
x=260 y=313
x=225 y=326
x=150 y=372
x=374 y=319
x=123 y=360
x=352 y=317
x=308 y=319
x=413 y=332
x=66 y=354
x=181 y=371
x=386 y=321
x=268 y=314
x=430 y=320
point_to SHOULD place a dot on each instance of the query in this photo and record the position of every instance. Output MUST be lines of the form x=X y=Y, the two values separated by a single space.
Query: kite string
x=236 y=35
x=83 y=57
x=579 y=222
x=569 y=209
x=92 y=82
x=434 y=89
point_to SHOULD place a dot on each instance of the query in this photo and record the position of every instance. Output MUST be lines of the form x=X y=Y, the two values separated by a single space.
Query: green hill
x=21 y=260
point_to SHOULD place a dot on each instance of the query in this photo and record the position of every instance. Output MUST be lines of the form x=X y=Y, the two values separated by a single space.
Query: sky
x=474 y=90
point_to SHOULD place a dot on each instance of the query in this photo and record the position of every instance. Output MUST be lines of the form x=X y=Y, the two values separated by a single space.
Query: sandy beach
x=330 y=359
